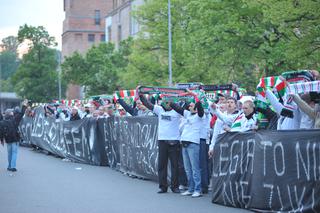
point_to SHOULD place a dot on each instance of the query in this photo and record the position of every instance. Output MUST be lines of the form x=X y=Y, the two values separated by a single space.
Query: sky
x=46 y=13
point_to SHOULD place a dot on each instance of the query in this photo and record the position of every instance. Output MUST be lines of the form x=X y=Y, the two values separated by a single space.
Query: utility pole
x=169 y=38
x=1 y=83
x=59 y=72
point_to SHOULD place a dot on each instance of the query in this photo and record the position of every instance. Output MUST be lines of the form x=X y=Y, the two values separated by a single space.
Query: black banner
x=131 y=144
x=75 y=140
x=268 y=171
x=264 y=171
x=25 y=129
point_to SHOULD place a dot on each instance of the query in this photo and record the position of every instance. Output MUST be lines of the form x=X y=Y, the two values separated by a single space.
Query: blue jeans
x=12 y=154
x=204 y=168
x=192 y=166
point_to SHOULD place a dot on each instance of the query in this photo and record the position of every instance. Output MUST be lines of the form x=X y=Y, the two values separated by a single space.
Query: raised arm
x=177 y=108
x=199 y=108
x=145 y=102
x=274 y=101
x=128 y=108
x=304 y=106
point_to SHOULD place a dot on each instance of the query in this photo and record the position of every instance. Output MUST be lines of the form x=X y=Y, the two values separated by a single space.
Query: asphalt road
x=48 y=184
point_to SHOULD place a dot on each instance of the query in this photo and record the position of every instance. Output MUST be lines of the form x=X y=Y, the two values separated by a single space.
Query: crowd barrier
x=264 y=171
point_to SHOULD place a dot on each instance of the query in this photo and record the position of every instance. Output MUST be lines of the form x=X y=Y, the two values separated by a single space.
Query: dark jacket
x=10 y=127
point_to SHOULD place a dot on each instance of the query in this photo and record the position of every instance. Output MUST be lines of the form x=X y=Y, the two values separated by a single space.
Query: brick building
x=119 y=22
x=83 y=26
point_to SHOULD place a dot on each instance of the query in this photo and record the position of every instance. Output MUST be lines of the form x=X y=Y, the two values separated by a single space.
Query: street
x=48 y=184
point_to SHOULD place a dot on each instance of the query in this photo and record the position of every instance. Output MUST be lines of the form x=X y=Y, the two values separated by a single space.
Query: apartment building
x=83 y=26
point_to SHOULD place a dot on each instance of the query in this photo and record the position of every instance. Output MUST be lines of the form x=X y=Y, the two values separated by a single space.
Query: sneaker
x=196 y=194
x=14 y=170
x=186 y=193
x=182 y=187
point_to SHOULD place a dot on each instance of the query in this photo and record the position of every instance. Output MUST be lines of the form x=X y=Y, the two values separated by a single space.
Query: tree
x=222 y=41
x=10 y=44
x=9 y=64
x=37 y=78
x=99 y=69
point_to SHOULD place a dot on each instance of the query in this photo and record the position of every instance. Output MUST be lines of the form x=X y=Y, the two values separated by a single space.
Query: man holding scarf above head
x=290 y=115
x=168 y=143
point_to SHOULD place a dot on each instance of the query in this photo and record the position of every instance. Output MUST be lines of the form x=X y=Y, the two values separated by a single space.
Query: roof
x=8 y=95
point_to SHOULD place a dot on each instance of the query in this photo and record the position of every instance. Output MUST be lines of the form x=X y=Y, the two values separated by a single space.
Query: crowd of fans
x=188 y=131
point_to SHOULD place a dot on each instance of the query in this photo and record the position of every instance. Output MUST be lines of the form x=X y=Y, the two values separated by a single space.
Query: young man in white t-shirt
x=168 y=143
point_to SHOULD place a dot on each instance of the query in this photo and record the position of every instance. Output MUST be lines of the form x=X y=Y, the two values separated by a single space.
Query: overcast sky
x=47 y=13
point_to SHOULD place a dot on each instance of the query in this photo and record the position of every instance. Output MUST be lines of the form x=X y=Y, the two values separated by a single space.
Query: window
x=103 y=37
x=91 y=37
x=97 y=17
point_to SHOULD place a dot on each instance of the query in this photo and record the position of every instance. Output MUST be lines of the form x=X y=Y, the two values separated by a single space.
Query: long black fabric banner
x=75 y=140
x=265 y=171
x=131 y=144
x=268 y=171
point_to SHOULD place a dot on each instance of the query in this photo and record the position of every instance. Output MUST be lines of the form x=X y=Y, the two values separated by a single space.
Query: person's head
x=95 y=114
x=248 y=107
x=166 y=105
x=109 y=110
x=122 y=112
x=101 y=110
x=8 y=114
x=140 y=106
x=231 y=104
x=315 y=74
x=192 y=107
x=221 y=99
x=74 y=111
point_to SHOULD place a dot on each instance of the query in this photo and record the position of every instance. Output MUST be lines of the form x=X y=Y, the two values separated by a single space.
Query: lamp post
x=59 y=72
x=169 y=38
x=1 y=83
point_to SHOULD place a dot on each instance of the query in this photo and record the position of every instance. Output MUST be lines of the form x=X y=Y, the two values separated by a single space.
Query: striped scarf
x=271 y=82
x=71 y=102
x=212 y=95
x=304 y=87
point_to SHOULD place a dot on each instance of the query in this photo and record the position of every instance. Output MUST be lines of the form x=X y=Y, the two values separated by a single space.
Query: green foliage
x=219 y=41
x=37 y=36
x=10 y=44
x=6 y=86
x=37 y=78
x=9 y=64
x=99 y=69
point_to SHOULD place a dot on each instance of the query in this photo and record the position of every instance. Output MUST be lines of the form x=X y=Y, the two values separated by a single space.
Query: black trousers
x=168 y=150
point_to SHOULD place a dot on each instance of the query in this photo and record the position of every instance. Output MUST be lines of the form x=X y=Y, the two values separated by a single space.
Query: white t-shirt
x=169 y=121
x=191 y=130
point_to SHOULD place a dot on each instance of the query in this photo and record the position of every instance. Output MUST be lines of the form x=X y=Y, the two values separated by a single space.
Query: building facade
x=119 y=22
x=83 y=26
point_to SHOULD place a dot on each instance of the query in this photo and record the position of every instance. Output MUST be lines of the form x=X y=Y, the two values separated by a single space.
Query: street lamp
x=59 y=72
x=0 y=83
x=169 y=38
